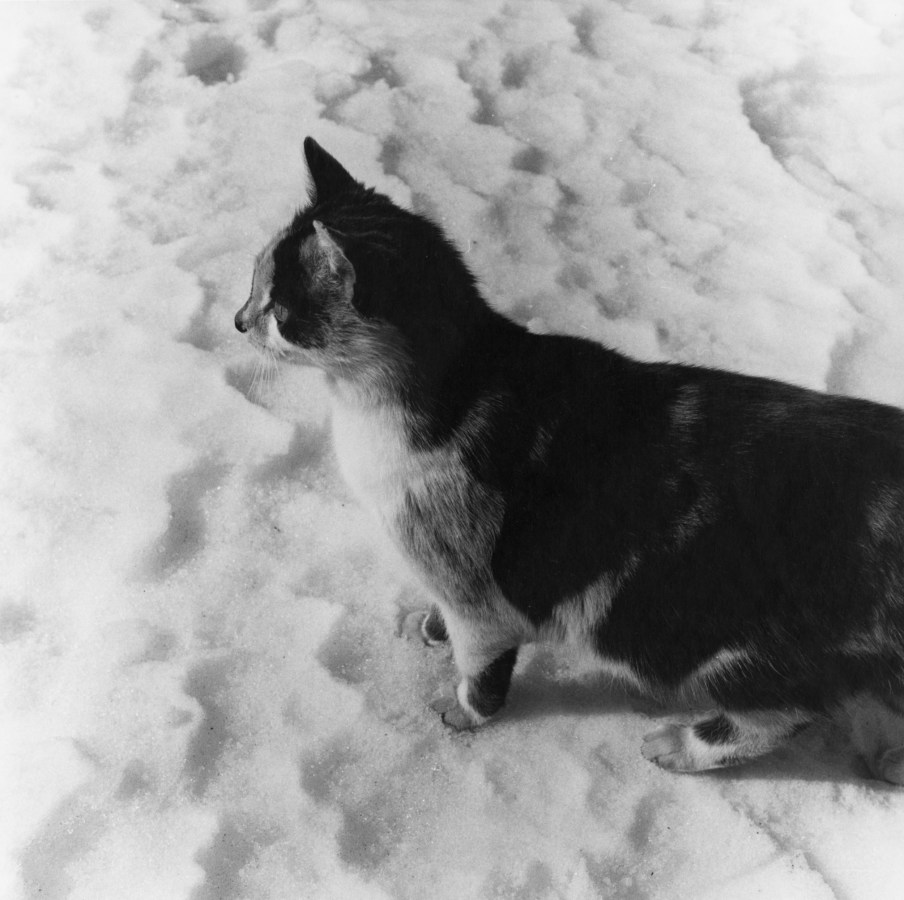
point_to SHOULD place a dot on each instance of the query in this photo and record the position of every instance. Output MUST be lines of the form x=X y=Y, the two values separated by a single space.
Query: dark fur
x=732 y=514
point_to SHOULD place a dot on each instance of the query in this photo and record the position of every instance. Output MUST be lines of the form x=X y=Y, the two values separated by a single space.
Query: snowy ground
x=201 y=692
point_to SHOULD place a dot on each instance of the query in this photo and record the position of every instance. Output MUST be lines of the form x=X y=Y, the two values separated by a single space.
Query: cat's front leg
x=477 y=697
x=486 y=668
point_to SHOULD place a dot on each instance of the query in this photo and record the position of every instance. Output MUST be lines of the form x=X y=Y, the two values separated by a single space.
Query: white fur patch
x=375 y=457
x=461 y=692
x=621 y=671
x=573 y=621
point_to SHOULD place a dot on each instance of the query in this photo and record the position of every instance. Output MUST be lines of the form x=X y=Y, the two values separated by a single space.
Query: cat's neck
x=375 y=438
x=426 y=395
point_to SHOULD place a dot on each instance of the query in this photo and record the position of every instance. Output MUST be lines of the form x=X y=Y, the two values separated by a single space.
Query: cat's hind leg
x=721 y=739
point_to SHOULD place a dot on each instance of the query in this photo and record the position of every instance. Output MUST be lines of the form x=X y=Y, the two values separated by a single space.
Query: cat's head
x=358 y=286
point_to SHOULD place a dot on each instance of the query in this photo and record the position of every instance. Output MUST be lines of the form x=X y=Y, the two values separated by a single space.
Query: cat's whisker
x=274 y=382
x=272 y=373
x=268 y=370
x=255 y=379
x=260 y=379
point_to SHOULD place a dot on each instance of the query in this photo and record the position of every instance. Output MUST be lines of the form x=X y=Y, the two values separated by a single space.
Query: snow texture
x=202 y=693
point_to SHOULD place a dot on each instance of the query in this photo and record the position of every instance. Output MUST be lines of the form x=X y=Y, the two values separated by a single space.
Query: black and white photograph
x=452 y=450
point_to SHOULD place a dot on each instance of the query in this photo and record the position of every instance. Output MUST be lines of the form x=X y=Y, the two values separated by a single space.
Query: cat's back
x=558 y=406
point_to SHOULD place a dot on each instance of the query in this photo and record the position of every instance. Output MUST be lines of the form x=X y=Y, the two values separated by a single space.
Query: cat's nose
x=239 y=323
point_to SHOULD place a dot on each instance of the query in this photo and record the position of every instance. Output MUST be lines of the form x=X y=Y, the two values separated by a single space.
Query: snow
x=202 y=694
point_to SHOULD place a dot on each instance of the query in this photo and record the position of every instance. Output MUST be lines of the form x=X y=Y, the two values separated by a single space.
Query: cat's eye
x=280 y=312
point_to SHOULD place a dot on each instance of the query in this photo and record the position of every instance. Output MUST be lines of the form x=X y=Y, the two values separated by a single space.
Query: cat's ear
x=328 y=265
x=328 y=177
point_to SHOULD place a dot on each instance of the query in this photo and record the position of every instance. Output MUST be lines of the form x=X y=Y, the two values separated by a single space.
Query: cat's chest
x=377 y=461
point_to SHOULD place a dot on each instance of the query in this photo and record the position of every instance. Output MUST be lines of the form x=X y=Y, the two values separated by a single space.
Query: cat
x=697 y=530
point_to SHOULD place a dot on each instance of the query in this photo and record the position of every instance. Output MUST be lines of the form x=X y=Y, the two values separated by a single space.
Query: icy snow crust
x=202 y=693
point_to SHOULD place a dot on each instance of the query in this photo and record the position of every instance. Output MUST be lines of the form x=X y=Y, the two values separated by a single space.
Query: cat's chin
x=292 y=354
x=270 y=342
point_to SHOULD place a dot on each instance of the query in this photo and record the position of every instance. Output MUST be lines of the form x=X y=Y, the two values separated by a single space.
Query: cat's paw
x=672 y=747
x=424 y=626
x=457 y=716
x=410 y=626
